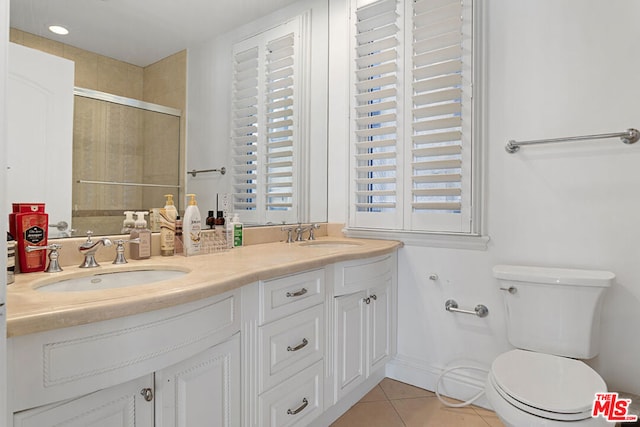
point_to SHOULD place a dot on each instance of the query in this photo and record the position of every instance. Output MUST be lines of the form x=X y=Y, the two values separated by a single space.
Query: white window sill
x=416 y=238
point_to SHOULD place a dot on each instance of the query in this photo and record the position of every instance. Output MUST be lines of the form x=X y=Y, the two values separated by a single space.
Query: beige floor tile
x=370 y=414
x=375 y=395
x=489 y=416
x=429 y=412
x=399 y=390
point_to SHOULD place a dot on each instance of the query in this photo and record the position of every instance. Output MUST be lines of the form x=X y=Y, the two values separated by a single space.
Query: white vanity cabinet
x=201 y=391
x=102 y=374
x=283 y=331
x=123 y=405
x=365 y=319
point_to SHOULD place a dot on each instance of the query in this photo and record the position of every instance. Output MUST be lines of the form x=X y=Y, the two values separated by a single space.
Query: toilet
x=553 y=320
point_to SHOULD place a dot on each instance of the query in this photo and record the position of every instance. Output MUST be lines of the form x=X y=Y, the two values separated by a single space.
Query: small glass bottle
x=211 y=220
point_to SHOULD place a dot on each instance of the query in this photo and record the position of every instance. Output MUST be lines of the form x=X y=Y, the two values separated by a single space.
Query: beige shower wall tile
x=86 y=70
x=165 y=81
x=119 y=78
x=45 y=45
x=16 y=36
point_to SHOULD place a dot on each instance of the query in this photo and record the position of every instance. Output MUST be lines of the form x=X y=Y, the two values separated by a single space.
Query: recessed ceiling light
x=57 y=29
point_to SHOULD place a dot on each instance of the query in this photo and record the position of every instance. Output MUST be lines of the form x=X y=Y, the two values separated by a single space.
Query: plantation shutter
x=440 y=172
x=244 y=131
x=264 y=135
x=376 y=179
x=411 y=150
x=280 y=118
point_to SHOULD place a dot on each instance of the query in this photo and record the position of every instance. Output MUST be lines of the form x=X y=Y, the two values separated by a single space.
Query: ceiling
x=139 y=32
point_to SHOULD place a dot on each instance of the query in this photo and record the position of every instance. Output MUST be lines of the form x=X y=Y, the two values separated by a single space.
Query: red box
x=22 y=208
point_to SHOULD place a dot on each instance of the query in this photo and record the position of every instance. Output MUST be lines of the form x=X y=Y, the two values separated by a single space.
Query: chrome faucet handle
x=312 y=229
x=54 y=266
x=120 y=259
x=289 y=231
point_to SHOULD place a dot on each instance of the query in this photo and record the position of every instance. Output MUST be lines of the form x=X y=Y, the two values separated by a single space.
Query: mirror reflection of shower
x=126 y=156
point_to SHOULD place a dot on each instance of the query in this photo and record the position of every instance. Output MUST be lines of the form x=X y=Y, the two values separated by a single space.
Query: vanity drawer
x=358 y=275
x=289 y=345
x=295 y=402
x=291 y=294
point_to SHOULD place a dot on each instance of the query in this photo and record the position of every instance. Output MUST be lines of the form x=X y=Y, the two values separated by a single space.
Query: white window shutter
x=440 y=173
x=264 y=130
x=411 y=116
x=280 y=124
x=244 y=130
x=376 y=172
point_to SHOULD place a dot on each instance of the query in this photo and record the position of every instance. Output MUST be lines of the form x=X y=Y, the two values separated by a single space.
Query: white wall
x=554 y=68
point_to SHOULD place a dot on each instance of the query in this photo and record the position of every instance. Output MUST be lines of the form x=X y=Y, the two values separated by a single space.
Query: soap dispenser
x=129 y=223
x=191 y=227
x=141 y=247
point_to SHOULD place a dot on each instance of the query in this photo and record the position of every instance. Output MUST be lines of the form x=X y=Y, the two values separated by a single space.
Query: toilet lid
x=546 y=385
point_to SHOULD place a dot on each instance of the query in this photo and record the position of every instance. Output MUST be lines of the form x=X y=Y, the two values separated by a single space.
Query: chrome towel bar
x=630 y=136
x=222 y=171
x=480 y=310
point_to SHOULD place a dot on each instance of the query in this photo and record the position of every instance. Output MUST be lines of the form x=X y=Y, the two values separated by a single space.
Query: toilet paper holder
x=480 y=310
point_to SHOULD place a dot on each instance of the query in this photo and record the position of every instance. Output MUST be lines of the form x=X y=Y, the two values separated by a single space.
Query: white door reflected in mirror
x=40 y=132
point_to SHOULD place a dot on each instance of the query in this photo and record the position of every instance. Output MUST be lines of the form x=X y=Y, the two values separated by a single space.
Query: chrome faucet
x=300 y=229
x=54 y=266
x=89 y=249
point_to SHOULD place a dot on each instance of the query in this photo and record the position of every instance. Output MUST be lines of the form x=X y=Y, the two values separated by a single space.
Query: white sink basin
x=118 y=279
x=330 y=244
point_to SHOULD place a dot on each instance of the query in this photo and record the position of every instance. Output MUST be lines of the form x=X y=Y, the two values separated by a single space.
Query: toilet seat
x=553 y=387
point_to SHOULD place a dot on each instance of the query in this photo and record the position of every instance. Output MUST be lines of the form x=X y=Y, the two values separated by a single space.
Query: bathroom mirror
x=136 y=53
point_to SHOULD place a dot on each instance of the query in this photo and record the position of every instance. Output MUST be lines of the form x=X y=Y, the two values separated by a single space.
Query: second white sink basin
x=118 y=279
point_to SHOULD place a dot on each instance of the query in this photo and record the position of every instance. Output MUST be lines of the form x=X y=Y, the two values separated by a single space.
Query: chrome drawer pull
x=305 y=402
x=300 y=346
x=297 y=293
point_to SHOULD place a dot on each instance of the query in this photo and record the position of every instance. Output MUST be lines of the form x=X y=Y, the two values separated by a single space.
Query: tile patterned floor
x=395 y=404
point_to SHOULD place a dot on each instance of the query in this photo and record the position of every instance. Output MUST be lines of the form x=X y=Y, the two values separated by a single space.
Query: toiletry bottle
x=178 y=240
x=229 y=233
x=237 y=231
x=211 y=220
x=170 y=207
x=192 y=226
x=129 y=223
x=142 y=249
x=167 y=217
x=167 y=233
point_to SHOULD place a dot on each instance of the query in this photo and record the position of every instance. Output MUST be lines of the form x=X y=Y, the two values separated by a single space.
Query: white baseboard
x=459 y=384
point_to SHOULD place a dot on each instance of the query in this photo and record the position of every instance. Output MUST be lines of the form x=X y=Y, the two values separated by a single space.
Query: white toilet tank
x=553 y=310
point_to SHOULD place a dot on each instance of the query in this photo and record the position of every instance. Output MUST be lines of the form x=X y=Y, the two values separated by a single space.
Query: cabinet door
x=201 y=391
x=379 y=326
x=350 y=342
x=119 y=406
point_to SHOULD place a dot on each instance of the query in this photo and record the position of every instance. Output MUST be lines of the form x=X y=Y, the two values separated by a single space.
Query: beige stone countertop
x=30 y=311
